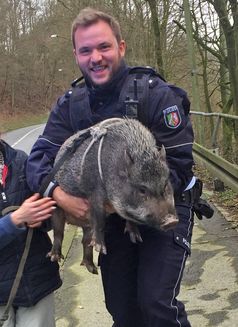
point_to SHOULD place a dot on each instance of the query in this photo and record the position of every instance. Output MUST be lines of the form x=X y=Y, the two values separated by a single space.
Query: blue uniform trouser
x=141 y=281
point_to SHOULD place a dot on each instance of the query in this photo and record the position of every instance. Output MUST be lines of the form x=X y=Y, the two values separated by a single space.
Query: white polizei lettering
x=186 y=242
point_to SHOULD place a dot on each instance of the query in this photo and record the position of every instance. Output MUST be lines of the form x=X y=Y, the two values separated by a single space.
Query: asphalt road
x=23 y=138
x=209 y=287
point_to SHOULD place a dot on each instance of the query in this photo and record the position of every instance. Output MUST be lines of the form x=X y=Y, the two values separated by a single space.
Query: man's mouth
x=98 y=68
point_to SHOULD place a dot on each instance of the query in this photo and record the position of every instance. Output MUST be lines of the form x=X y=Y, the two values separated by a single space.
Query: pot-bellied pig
x=117 y=168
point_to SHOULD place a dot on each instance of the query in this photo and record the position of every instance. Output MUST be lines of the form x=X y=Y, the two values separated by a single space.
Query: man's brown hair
x=89 y=16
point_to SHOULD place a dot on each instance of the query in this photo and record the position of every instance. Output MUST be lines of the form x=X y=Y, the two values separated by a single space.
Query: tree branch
x=64 y=5
x=202 y=44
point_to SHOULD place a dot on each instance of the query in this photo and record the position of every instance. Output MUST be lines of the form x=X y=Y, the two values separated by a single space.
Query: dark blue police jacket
x=40 y=275
x=167 y=119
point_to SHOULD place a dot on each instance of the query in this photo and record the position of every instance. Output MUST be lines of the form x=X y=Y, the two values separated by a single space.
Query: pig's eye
x=143 y=190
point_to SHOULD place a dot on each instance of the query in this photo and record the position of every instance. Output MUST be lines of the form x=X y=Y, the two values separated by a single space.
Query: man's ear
x=122 y=48
x=75 y=57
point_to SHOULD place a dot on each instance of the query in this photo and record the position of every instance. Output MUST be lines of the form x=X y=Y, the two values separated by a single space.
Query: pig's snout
x=170 y=222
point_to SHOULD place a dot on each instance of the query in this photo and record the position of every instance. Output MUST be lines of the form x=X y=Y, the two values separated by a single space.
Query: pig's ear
x=162 y=153
x=127 y=164
x=128 y=159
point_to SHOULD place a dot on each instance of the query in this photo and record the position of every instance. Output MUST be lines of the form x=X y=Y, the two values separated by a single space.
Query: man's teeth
x=98 y=68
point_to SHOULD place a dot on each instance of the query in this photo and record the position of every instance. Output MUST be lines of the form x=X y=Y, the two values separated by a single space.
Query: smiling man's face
x=97 y=52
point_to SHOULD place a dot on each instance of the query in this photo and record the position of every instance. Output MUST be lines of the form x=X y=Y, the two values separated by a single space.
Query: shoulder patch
x=172 y=117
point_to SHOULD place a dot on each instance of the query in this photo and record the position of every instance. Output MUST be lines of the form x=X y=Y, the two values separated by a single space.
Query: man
x=141 y=281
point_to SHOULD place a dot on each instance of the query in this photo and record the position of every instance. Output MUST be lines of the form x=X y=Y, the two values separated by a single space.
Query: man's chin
x=100 y=81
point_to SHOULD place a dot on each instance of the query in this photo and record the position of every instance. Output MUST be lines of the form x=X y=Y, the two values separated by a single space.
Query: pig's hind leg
x=88 y=251
x=98 y=219
x=58 y=222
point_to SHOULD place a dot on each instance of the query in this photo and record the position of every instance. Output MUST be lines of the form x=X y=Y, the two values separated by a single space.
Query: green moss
x=227 y=197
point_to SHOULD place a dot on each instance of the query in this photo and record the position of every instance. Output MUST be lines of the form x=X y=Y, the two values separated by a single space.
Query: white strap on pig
x=98 y=132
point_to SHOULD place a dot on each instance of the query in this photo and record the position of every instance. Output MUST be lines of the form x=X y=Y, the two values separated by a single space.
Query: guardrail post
x=215 y=149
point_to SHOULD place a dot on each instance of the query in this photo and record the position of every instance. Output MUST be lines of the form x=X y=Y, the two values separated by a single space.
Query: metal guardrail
x=217 y=114
x=216 y=165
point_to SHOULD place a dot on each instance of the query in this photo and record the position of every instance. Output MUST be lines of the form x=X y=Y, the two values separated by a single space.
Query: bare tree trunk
x=231 y=36
x=157 y=32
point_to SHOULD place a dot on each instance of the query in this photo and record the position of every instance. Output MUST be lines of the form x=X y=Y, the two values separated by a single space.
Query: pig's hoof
x=135 y=237
x=55 y=256
x=99 y=247
x=170 y=223
x=90 y=266
x=133 y=231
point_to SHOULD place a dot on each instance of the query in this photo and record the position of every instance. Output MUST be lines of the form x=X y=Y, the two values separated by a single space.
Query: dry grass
x=11 y=122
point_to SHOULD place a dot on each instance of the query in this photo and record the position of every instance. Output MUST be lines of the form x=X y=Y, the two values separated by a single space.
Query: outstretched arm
x=30 y=214
x=44 y=151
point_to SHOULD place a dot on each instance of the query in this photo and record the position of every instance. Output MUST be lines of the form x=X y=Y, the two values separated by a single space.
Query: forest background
x=37 y=64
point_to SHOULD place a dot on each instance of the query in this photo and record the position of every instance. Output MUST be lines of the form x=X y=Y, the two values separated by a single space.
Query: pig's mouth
x=170 y=223
x=164 y=224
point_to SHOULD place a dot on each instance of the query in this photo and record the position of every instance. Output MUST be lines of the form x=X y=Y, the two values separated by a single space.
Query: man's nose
x=96 y=56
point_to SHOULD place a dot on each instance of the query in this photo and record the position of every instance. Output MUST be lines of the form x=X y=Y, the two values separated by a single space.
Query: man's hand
x=78 y=207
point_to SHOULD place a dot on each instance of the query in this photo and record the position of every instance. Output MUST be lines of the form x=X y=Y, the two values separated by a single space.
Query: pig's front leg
x=133 y=231
x=58 y=222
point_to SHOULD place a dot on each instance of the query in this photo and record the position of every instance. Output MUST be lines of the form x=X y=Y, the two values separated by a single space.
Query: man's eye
x=84 y=51
x=104 y=47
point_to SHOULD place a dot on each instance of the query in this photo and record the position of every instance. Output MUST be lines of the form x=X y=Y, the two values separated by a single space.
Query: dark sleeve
x=8 y=231
x=57 y=130
x=172 y=128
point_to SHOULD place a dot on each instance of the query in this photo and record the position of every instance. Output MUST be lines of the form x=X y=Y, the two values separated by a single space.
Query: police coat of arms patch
x=172 y=117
